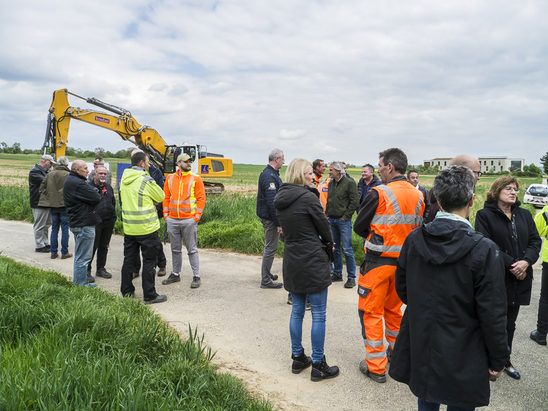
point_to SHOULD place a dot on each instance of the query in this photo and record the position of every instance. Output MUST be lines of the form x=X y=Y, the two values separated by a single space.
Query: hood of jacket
x=446 y=241
x=131 y=174
x=289 y=193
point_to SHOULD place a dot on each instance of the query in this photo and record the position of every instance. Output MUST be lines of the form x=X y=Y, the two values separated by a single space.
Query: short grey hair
x=454 y=187
x=337 y=165
x=274 y=154
x=63 y=161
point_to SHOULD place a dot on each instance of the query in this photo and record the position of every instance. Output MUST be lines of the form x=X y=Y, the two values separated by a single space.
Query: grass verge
x=71 y=347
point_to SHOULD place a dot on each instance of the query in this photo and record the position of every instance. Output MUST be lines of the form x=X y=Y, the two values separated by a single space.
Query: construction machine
x=161 y=154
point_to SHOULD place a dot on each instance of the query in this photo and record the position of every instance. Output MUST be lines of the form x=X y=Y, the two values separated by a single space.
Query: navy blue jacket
x=269 y=184
x=363 y=187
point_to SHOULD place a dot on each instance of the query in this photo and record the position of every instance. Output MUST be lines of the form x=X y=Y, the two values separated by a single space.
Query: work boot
x=322 y=371
x=54 y=256
x=538 y=337
x=65 y=256
x=195 y=282
x=300 y=363
x=161 y=272
x=90 y=278
x=335 y=278
x=380 y=378
x=101 y=272
x=171 y=279
x=350 y=283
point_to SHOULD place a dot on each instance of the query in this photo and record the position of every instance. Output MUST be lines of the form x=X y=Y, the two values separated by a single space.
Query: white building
x=488 y=164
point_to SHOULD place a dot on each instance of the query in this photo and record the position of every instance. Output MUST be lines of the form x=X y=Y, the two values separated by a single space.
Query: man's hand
x=279 y=229
x=519 y=269
x=493 y=375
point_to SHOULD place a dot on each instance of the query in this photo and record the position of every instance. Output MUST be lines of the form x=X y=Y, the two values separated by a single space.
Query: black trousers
x=162 y=262
x=103 y=234
x=542 y=320
x=150 y=246
x=511 y=317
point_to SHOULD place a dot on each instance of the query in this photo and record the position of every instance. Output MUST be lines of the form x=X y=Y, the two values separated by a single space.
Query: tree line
x=15 y=148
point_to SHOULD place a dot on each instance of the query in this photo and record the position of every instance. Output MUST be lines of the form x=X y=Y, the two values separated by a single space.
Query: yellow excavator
x=163 y=155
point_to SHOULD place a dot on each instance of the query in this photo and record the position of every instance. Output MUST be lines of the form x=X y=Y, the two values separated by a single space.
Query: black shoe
x=322 y=371
x=159 y=299
x=42 y=250
x=350 y=283
x=101 y=272
x=335 y=278
x=90 y=278
x=512 y=372
x=48 y=247
x=300 y=363
x=273 y=277
x=171 y=279
x=538 y=337
x=380 y=378
x=272 y=284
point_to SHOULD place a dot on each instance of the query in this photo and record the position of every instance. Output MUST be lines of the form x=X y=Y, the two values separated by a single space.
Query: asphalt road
x=247 y=327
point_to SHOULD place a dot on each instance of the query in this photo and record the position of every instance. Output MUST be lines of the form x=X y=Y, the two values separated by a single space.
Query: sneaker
x=300 y=363
x=335 y=278
x=272 y=284
x=350 y=283
x=195 y=282
x=161 y=272
x=171 y=279
x=538 y=337
x=158 y=299
x=273 y=277
x=322 y=371
x=289 y=299
x=90 y=285
x=54 y=256
x=90 y=278
x=380 y=378
x=101 y=272
x=65 y=256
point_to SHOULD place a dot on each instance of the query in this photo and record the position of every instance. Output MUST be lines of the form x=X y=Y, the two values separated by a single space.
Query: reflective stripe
x=373 y=343
x=391 y=219
x=392 y=198
x=147 y=220
x=190 y=186
x=139 y=212
x=199 y=210
x=175 y=202
x=418 y=208
x=392 y=344
x=373 y=355
x=382 y=248
x=391 y=333
x=141 y=193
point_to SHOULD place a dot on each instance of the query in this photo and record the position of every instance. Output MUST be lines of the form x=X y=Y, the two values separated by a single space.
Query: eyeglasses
x=477 y=172
x=510 y=188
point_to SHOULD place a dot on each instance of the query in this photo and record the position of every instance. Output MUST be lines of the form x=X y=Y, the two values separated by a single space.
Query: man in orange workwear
x=184 y=204
x=387 y=215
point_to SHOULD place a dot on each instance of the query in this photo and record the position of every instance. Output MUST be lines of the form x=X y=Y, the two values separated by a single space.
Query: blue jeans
x=318 y=307
x=83 y=252
x=432 y=406
x=59 y=218
x=342 y=237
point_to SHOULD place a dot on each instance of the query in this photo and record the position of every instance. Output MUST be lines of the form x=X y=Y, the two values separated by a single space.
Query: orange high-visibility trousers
x=378 y=300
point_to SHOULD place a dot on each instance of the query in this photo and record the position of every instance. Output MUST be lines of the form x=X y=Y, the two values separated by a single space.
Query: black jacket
x=269 y=184
x=454 y=327
x=36 y=175
x=306 y=267
x=106 y=208
x=363 y=187
x=80 y=200
x=523 y=245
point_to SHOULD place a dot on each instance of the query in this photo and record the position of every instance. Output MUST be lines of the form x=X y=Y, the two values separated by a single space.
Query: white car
x=536 y=194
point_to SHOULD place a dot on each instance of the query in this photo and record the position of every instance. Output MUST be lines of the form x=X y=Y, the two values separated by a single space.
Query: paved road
x=248 y=328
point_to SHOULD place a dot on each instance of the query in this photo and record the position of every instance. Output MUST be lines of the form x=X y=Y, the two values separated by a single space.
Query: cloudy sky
x=338 y=80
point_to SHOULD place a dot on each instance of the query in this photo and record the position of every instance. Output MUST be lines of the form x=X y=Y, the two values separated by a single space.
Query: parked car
x=536 y=194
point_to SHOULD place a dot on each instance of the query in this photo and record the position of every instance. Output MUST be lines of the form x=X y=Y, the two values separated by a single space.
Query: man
x=413 y=179
x=42 y=219
x=388 y=214
x=342 y=201
x=139 y=193
x=269 y=183
x=106 y=213
x=368 y=181
x=318 y=166
x=453 y=333
x=184 y=204
x=51 y=196
x=80 y=200
x=99 y=162
x=461 y=160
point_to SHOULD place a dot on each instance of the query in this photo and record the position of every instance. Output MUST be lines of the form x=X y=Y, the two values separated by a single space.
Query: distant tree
x=100 y=151
x=16 y=148
x=3 y=147
x=544 y=161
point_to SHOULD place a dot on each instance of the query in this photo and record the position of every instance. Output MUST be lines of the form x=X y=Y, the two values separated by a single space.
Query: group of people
x=85 y=203
x=462 y=286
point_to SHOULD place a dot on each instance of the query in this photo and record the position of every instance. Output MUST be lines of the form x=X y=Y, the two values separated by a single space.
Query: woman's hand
x=519 y=269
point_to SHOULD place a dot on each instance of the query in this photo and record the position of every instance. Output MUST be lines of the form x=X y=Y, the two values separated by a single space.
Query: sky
x=336 y=80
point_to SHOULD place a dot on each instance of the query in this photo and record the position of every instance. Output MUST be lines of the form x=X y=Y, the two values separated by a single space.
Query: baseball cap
x=47 y=157
x=184 y=157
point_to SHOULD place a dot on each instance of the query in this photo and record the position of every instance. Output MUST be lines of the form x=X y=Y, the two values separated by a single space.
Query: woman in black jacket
x=306 y=268
x=512 y=228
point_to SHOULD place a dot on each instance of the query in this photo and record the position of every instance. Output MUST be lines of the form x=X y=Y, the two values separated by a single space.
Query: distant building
x=488 y=164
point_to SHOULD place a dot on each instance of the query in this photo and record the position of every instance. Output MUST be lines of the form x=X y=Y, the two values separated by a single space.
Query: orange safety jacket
x=400 y=211
x=322 y=188
x=184 y=196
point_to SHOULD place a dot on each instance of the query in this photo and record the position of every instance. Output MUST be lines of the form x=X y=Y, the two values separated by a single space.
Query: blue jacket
x=363 y=187
x=269 y=184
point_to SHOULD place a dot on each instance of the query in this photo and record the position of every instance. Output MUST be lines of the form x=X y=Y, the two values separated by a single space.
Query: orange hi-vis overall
x=184 y=196
x=400 y=211
x=323 y=188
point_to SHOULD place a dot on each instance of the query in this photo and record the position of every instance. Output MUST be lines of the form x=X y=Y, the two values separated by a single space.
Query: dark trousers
x=542 y=320
x=103 y=233
x=162 y=262
x=511 y=317
x=150 y=246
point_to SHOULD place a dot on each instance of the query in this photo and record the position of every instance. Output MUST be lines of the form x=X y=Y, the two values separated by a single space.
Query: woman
x=306 y=268
x=512 y=228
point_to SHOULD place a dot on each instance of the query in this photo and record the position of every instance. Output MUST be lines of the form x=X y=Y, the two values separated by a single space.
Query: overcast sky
x=338 y=80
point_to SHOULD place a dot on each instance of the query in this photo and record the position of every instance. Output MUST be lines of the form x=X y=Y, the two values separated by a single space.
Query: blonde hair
x=296 y=170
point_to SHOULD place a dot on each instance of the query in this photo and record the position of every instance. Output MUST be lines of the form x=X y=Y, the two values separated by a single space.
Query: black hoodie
x=454 y=327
